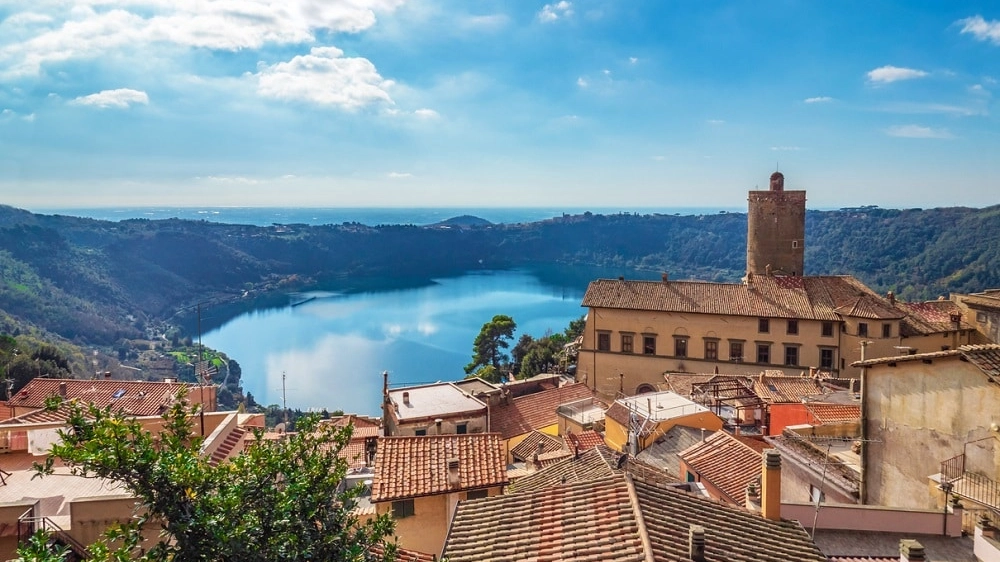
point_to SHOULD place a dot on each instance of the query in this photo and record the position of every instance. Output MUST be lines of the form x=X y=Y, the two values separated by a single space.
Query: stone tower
x=776 y=230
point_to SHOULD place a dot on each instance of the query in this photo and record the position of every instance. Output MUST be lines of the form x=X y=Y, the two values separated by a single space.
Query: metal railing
x=970 y=485
x=953 y=468
x=28 y=524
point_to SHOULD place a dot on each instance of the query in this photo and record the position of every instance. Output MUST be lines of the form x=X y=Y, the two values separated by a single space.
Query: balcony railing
x=970 y=485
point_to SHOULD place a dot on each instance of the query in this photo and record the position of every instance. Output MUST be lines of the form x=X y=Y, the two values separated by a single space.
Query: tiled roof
x=138 y=398
x=730 y=533
x=726 y=462
x=609 y=519
x=580 y=521
x=990 y=300
x=364 y=426
x=527 y=448
x=780 y=389
x=834 y=413
x=931 y=317
x=680 y=383
x=585 y=440
x=534 y=411
x=407 y=467
x=861 y=544
x=986 y=357
x=405 y=555
x=590 y=465
x=869 y=306
x=664 y=454
x=811 y=298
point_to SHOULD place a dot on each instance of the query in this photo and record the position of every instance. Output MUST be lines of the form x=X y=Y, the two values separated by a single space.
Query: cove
x=332 y=346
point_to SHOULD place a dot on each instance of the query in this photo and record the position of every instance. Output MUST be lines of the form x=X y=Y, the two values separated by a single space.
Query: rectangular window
x=649 y=345
x=886 y=330
x=420 y=432
x=763 y=353
x=402 y=508
x=863 y=329
x=476 y=494
x=816 y=495
x=626 y=343
x=711 y=350
x=791 y=355
x=680 y=347
x=736 y=351
x=981 y=317
x=461 y=428
x=827 y=329
x=826 y=358
x=603 y=341
x=763 y=325
x=793 y=327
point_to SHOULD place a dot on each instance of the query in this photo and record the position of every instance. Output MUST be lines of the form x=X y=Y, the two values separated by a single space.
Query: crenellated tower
x=776 y=230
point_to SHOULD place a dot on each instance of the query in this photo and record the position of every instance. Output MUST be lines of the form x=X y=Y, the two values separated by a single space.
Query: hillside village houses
x=787 y=417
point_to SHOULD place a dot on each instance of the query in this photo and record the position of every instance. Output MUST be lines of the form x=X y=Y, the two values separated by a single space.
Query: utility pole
x=284 y=403
x=201 y=375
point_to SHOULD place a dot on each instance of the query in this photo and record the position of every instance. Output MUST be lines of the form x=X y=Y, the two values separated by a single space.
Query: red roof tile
x=526 y=449
x=781 y=389
x=534 y=411
x=814 y=297
x=931 y=317
x=139 y=398
x=407 y=467
x=725 y=462
x=586 y=440
x=834 y=413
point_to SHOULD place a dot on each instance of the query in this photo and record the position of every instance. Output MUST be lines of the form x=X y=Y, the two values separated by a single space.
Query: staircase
x=970 y=485
x=28 y=524
x=232 y=439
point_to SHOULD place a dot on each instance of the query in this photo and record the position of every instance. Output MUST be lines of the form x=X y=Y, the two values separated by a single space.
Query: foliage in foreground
x=279 y=500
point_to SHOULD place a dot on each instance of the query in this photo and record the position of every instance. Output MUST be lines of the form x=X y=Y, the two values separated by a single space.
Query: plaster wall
x=776 y=223
x=603 y=370
x=920 y=413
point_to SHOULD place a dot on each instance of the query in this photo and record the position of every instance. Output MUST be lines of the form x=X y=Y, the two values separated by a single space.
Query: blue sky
x=617 y=103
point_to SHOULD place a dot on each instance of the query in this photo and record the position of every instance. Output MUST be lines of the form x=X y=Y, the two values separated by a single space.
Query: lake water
x=333 y=349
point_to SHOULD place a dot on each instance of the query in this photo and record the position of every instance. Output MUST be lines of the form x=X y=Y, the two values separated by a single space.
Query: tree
x=493 y=338
x=278 y=500
x=524 y=344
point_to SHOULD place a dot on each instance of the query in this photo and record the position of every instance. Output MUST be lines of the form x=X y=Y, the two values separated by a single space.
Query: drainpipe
x=863 y=485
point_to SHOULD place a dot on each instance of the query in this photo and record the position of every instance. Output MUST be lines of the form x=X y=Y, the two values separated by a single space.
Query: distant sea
x=372 y=216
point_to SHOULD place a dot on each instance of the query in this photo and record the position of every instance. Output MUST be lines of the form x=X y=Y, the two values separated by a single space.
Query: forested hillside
x=96 y=282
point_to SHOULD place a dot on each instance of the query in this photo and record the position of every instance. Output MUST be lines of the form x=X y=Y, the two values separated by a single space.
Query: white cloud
x=715 y=122
x=981 y=29
x=786 y=148
x=324 y=77
x=947 y=109
x=26 y=18
x=633 y=60
x=889 y=73
x=581 y=82
x=917 y=132
x=399 y=175
x=127 y=26
x=122 y=98
x=426 y=114
x=492 y=22
x=979 y=90
x=553 y=12
x=818 y=99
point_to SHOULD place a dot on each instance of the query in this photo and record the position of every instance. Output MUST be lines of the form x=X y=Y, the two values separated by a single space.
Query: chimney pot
x=62 y=389
x=770 y=504
x=911 y=551
x=696 y=543
x=406 y=398
x=665 y=277
x=892 y=297
x=621 y=277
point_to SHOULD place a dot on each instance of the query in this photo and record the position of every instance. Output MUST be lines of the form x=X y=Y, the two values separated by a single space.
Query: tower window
x=795 y=244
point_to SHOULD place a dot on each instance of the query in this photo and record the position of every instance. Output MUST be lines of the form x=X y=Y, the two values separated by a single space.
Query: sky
x=430 y=103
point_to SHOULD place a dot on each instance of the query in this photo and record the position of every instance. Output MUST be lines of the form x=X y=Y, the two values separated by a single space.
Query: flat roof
x=433 y=400
x=661 y=406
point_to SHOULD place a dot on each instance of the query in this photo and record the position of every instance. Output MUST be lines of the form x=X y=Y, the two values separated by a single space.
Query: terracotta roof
x=585 y=440
x=607 y=519
x=364 y=426
x=810 y=298
x=139 y=398
x=931 y=317
x=405 y=555
x=990 y=300
x=590 y=465
x=527 y=448
x=730 y=533
x=407 y=467
x=534 y=411
x=834 y=413
x=782 y=389
x=727 y=463
x=986 y=357
x=869 y=306
x=680 y=383
x=580 y=521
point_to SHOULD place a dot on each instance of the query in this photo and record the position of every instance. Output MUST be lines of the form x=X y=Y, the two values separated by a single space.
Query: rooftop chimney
x=892 y=298
x=665 y=277
x=696 y=543
x=770 y=503
x=385 y=385
x=910 y=551
x=768 y=270
x=454 y=479
x=62 y=389
x=437 y=422
x=406 y=398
